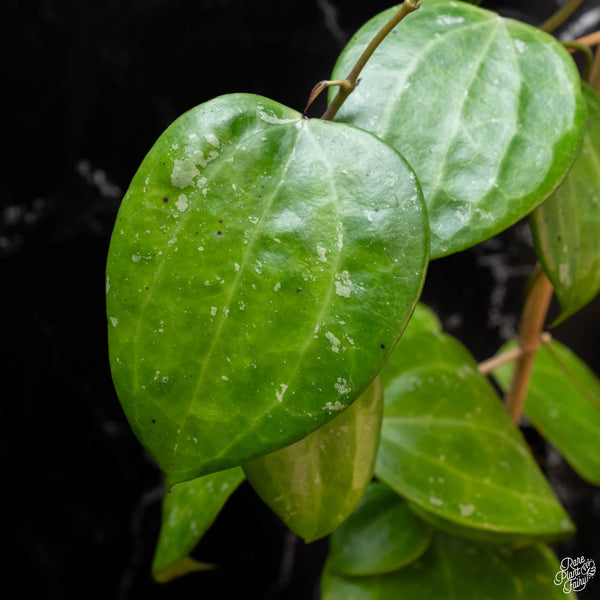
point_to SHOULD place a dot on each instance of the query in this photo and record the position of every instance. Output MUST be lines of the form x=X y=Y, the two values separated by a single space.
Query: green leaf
x=487 y=110
x=261 y=269
x=455 y=568
x=382 y=535
x=317 y=482
x=448 y=445
x=563 y=403
x=566 y=227
x=189 y=509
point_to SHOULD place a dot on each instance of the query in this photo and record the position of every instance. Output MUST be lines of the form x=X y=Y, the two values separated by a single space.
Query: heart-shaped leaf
x=563 y=403
x=261 y=269
x=566 y=227
x=189 y=509
x=314 y=484
x=487 y=110
x=380 y=536
x=448 y=445
x=455 y=568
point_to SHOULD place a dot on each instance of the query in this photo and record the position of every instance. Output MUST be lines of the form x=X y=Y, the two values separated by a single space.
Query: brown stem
x=530 y=330
x=591 y=39
x=594 y=78
x=407 y=7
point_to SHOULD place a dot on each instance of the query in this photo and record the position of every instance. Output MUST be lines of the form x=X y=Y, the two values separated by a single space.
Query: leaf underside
x=487 y=110
x=189 y=509
x=317 y=482
x=261 y=269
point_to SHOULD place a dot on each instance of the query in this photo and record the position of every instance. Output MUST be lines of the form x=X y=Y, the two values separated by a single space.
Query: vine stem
x=491 y=364
x=348 y=85
x=560 y=16
x=530 y=333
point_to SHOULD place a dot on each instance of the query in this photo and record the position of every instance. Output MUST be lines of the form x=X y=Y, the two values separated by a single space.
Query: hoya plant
x=264 y=323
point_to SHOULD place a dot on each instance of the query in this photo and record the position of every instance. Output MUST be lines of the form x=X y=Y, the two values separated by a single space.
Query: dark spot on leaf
x=382 y=346
x=153 y=420
x=220 y=220
x=165 y=199
x=298 y=291
x=219 y=233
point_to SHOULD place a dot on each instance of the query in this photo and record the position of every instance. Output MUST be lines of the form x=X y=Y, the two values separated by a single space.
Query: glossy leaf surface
x=455 y=568
x=261 y=269
x=189 y=509
x=448 y=445
x=487 y=110
x=317 y=482
x=566 y=228
x=563 y=403
x=380 y=536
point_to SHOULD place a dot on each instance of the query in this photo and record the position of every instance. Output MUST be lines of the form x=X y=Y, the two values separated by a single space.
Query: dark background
x=89 y=87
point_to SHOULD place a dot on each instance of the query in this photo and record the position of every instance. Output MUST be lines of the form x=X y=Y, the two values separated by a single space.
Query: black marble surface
x=89 y=86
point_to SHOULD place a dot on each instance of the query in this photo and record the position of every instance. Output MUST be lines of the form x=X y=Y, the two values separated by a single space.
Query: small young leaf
x=448 y=445
x=455 y=568
x=317 y=482
x=566 y=228
x=563 y=403
x=262 y=268
x=487 y=110
x=380 y=536
x=189 y=509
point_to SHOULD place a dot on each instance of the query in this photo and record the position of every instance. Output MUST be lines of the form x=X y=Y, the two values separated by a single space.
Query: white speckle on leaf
x=280 y=394
x=136 y=258
x=107 y=285
x=521 y=46
x=342 y=386
x=331 y=407
x=182 y=203
x=435 y=501
x=449 y=20
x=322 y=252
x=236 y=267
x=343 y=284
x=224 y=378
x=114 y=321
x=184 y=172
x=213 y=310
x=212 y=140
x=335 y=343
x=277 y=286
x=200 y=249
x=466 y=510
x=271 y=118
